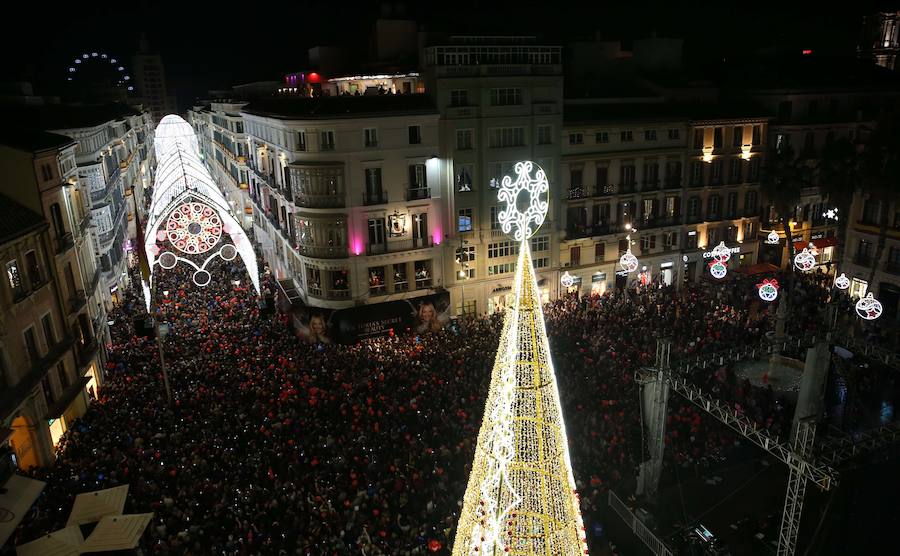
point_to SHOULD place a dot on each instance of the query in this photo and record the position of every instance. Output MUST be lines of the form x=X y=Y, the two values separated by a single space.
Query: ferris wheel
x=103 y=65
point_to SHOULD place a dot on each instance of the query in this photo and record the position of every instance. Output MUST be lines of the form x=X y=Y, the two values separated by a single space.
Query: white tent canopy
x=91 y=506
x=182 y=177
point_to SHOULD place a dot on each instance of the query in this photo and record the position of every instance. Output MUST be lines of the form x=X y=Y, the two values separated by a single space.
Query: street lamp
x=462 y=259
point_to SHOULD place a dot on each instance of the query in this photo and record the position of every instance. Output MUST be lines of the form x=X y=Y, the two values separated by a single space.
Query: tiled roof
x=17 y=220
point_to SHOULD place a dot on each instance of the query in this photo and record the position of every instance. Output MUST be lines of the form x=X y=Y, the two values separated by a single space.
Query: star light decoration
x=521 y=224
x=842 y=282
x=768 y=290
x=869 y=308
x=567 y=280
x=521 y=497
x=773 y=238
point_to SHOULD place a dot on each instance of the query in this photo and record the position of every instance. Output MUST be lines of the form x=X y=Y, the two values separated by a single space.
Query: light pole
x=462 y=259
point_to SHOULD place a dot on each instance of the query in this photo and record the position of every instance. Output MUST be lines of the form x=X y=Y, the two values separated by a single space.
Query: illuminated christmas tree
x=521 y=496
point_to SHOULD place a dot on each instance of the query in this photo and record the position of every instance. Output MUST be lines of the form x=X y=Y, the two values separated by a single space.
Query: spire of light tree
x=521 y=497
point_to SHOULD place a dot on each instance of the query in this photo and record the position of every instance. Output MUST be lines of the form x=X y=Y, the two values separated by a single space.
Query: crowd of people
x=279 y=446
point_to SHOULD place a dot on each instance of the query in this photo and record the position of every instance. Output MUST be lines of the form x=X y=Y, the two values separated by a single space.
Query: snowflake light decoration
x=768 y=290
x=773 y=238
x=194 y=228
x=842 y=282
x=718 y=269
x=523 y=225
x=869 y=308
x=721 y=252
x=805 y=260
x=628 y=261
x=831 y=214
x=567 y=280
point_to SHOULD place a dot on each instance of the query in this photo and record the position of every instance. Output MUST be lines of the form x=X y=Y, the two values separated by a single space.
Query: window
x=301 y=140
x=623 y=246
x=541 y=262
x=753 y=171
x=809 y=143
x=693 y=210
x=47 y=389
x=62 y=374
x=648 y=242
x=34 y=269
x=649 y=135
x=415 y=134
x=544 y=135
x=376 y=231
x=748 y=229
x=691 y=240
x=371 y=137
x=465 y=220
x=459 y=97
x=464 y=177
x=757 y=136
x=31 y=345
x=506 y=97
x=871 y=212
x=14 y=278
x=417 y=176
x=503 y=249
x=731 y=234
x=47 y=325
x=540 y=243
x=327 y=140
x=670 y=239
x=712 y=207
x=784 y=110
x=715 y=177
x=575 y=179
x=374 y=193
x=601 y=137
x=626 y=136
x=731 y=202
x=504 y=268
x=674 y=134
x=56 y=217
x=737 y=136
x=735 y=170
x=576 y=138
x=599 y=252
x=750 y=200
x=651 y=174
x=495 y=220
x=507 y=137
x=575 y=255
x=697 y=173
x=464 y=139
x=711 y=237
x=718 y=140
x=627 y=175
x=698 y=139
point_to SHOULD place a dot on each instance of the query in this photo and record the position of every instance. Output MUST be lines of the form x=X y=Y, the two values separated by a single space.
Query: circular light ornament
x=805 y=260
x=531 y=180
x=628 y=261
x=842 y=282
x=228 y=252
x=567 y=280
x=718 y=269
x=202 y=278
x=194 y=228
x=773 y=238
x=168 y=260
x=869 y=308
x=768 y=290
x=721 y=252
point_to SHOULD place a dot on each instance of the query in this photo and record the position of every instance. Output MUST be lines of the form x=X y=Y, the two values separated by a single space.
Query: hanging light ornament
x=567 y=280
x=805 y=260
x=869 y=308
x=842 y=282
x=773 y=238
x=721 y=252
x=628 y=261
x=718 y=269
x=768 y=290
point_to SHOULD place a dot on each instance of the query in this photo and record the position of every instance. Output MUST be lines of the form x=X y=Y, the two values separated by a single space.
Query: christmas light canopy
x=869 y=308
x=773 y=238
x=842 y=282
x=526 y=199
x=567 y=280
x=768 y=290
x=805 y=260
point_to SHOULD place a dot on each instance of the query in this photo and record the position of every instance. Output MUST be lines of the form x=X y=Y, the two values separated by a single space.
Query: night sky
x=215 y=47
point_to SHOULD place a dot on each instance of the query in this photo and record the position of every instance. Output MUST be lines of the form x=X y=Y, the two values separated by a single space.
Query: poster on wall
x=420 y=315
x=315 y=324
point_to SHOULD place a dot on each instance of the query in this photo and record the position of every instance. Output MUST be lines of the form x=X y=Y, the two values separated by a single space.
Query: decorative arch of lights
x=188 y=213
x=116 y=67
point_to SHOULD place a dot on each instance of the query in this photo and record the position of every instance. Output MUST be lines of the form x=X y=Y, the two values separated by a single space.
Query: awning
x=65 y=542
x=59 y=407
x=118 y=532
x=758 y=268
x=820 y=243
x=92 y=506
x=21 y=492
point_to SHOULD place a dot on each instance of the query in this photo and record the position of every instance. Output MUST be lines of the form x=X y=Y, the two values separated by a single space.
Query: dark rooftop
x=33 y=140
x=800 y=72
x=575 y=114
x=17 y=220
x=64 y=116
x=341 y=106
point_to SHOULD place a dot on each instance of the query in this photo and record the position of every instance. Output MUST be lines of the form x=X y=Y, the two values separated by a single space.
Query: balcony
x=10 y=398
x=892 y=268
x=576 y=193
x=693 y=219
x=580 y=231
x=304 y=200
x=626 y=188
x=650 y=185
x=657 y=222
x=862 y=259
x=418 y=193
x=714 y=217
x=398 y=246
x=77 y=302
x=85 y=353
x=95 y=281
x=604 y=190
x=672 y=182
x=375 y=198
x=329 y=294
x=322 y=252
x=64 y=243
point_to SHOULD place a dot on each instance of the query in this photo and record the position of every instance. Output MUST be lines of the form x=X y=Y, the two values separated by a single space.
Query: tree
x=782 y=181
x=880 y=169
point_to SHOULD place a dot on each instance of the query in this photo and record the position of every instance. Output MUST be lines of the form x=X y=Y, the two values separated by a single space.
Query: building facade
x=43 y=388
x=348 y=196
x=500 y=101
